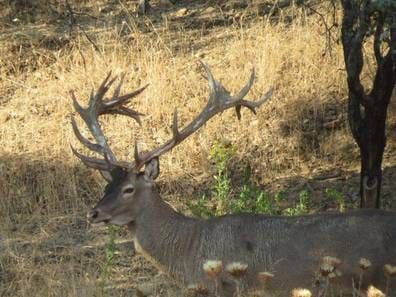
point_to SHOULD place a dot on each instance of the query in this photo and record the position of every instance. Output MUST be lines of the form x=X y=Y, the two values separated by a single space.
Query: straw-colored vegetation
x=298 y=141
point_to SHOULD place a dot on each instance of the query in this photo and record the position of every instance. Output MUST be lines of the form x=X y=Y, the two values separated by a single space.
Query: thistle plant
x=213 y=268
x=390 y=272
x=300 y=292
x=265 y=277
x=374 y=292
x=329 y=271
x=364 y=264
x=237 y=271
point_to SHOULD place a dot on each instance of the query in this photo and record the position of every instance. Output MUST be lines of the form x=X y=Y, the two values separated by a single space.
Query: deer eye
x=128 y=190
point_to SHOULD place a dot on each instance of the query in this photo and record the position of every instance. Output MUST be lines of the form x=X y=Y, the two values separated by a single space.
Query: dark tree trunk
x=371 y=140
x=367 y=110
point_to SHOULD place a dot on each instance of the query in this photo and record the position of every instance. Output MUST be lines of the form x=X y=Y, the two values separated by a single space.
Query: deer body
x=289 y=247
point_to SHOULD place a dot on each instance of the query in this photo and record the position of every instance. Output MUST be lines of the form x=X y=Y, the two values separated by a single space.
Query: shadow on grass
x=192 y=14
x=65 y=17
x=30 y=185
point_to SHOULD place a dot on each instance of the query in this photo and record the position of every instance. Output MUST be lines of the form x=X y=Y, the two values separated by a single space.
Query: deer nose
x=92 y=214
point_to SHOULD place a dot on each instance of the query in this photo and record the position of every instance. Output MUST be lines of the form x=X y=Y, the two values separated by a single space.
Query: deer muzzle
x=95 y=216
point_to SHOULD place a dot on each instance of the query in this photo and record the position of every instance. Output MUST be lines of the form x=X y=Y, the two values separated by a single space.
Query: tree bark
x=367 y=111
x=371 y=141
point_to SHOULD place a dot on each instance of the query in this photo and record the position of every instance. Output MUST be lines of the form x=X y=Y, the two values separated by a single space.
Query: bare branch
x=328 y=27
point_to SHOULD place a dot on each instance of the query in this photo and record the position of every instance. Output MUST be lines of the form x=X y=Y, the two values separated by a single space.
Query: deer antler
x=219 y=100
x=98 y=106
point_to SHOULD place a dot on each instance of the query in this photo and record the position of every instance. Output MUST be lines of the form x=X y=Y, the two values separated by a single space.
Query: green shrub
x=224 y=199
x=302 y=206
x=336 y=196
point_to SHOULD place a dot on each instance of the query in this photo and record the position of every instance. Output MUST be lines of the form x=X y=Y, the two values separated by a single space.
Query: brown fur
x=291 y=248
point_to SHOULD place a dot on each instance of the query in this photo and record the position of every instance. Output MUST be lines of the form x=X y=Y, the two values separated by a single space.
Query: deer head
x=128 y=185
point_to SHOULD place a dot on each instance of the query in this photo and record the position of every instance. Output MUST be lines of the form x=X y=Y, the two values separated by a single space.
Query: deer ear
x=152 y=170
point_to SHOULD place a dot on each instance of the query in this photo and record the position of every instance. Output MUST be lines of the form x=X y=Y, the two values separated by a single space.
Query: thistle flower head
x=332 y=275
x=301 y=293
x=326 y=269
x=265 y=277
x=237 y=269
x=329 y=265
x=389 y=270
x=364 y=263
x=213 y=268
x=374 y=292
x=333 y=261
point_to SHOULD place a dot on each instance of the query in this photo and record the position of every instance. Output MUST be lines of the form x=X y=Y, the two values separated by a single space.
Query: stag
x=288 y=251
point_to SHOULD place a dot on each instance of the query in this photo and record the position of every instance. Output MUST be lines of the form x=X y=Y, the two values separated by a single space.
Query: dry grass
x=45 y=191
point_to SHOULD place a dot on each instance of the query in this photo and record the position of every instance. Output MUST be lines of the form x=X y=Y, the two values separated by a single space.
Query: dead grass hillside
x=298 y=140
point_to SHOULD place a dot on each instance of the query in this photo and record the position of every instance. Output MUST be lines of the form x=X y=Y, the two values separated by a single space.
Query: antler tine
x=102 y=90
x=98 y=106
x=90 y=161
x=90 y=117
x=136 y=154
x=219 y=100
x=252 y=105
x=175 y=128
x=211 y=80
x=115 y=105
x=217 y=92
x=119 y=100
x=243 y=92
x=118 y=88
x=92 y=146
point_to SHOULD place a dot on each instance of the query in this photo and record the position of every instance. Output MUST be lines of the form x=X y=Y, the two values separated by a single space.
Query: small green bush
x=336 y=196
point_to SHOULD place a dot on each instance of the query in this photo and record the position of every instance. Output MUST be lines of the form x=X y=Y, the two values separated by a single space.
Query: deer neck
x=162 y=235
